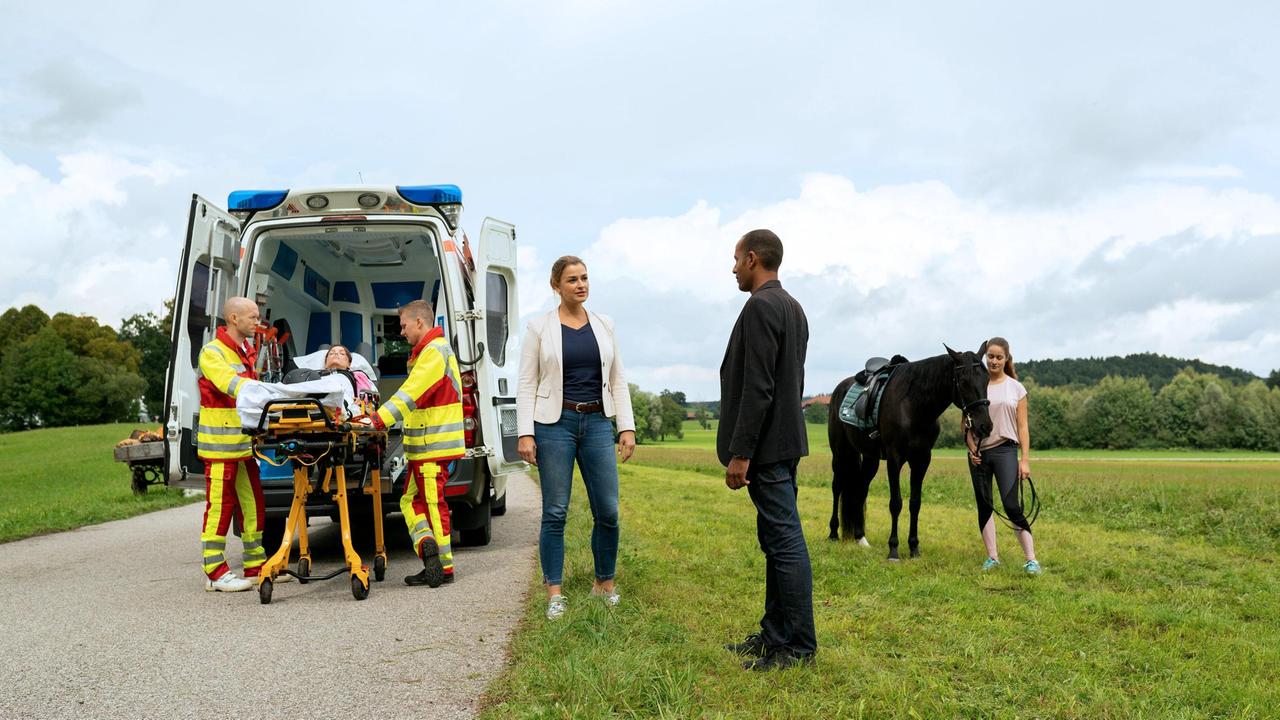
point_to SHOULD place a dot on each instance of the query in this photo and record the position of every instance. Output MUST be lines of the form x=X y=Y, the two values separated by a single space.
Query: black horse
x=917 y=393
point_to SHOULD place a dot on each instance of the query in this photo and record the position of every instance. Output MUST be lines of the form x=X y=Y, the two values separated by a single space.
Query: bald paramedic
x=430 y=406
x=232 y=487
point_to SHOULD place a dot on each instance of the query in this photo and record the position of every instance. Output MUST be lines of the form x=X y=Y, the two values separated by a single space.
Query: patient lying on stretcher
x=340 y=379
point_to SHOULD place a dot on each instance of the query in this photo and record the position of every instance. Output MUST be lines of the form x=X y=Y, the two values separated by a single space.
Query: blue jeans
x=587 y=438
x=788 y=577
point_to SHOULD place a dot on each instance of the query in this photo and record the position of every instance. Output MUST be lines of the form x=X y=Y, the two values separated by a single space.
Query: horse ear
x=982 y=351
x=954 y=355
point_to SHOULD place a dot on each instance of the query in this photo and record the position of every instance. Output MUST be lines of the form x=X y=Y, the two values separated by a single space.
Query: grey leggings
x=1001 y=461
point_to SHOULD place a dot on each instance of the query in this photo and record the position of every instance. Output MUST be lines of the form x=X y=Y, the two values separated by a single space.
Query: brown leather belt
x=584 y=408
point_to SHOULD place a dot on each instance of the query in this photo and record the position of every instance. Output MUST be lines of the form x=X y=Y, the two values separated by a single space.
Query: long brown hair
x=557 y=267
x=1009 y=369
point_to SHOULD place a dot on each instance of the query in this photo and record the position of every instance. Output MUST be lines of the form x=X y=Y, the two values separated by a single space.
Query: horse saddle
x=861 y=406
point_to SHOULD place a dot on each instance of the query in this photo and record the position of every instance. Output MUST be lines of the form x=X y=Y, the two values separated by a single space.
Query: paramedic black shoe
x=432 y=574
x=229 y=582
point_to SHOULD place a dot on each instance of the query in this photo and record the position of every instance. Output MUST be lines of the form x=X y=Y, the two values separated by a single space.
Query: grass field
x=1161 y=599
x=64 y=478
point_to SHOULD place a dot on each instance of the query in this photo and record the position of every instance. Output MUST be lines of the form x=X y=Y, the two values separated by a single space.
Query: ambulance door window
x=496 y=319
x=198 y=310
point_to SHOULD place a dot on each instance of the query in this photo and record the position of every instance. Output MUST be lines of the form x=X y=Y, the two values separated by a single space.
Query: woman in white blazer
x=571 y=384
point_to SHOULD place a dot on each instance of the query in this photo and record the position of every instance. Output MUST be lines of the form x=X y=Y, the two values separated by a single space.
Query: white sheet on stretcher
x=254 y=396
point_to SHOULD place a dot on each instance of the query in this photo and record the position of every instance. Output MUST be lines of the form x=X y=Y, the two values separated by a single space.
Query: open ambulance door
x=496 y=373
x=207 y=276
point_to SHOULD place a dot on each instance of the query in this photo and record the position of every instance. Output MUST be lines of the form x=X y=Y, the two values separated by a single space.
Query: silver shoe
x=555 y=607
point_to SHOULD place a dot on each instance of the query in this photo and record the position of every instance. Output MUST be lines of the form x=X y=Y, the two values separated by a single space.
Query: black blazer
x=762 y=380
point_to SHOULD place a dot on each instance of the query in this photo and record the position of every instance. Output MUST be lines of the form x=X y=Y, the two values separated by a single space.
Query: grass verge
x=63 y=478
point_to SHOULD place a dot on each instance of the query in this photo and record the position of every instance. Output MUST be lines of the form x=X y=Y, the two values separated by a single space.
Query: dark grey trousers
x=788 y=580
x=1002 y=462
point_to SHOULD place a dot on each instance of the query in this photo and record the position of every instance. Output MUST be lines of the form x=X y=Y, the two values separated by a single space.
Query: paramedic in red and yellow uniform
x=230 y=470
x=430 y=406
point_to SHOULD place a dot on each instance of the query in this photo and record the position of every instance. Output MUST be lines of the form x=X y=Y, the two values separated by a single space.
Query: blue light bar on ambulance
x=255 y=199
x=430 y=194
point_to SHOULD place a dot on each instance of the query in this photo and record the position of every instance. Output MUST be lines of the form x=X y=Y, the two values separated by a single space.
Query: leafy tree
x=71 y=371
x=816 y=413
x=671 y=417
x=1048 y=413
x=1118 y=414
x=648 y=416
x=150 y=335
x=704 y=418
x=1176 y=406
x=678 y=396
x=18 y=324
x=1273 y=380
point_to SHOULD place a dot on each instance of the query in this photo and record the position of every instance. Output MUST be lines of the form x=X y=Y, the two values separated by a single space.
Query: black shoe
x=779 y=660
x=753 y=646
x=432 y=574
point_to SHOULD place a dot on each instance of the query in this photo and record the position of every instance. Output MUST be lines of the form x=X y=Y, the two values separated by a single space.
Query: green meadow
x=63 y=478
x=1160 y=599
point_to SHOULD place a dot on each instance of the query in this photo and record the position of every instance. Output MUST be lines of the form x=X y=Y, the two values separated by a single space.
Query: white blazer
x=540 y=395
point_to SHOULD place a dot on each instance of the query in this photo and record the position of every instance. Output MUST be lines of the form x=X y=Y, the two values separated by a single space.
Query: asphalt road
x=112 y=621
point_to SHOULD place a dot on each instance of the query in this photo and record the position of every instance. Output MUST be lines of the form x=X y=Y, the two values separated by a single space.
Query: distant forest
x=1157 y=369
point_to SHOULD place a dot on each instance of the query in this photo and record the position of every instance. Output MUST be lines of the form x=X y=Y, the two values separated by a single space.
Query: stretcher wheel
x=264 y=592
x=304 y=569
x=359 y=589
x=379 y=568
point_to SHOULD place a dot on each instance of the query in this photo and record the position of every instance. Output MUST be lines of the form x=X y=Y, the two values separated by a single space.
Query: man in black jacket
x=761 y=439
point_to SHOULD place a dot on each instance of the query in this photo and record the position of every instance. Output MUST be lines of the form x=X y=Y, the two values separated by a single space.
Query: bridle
x=966 y=408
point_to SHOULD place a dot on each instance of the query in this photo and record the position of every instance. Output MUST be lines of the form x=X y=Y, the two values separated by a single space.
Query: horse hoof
x=863 y=542
x=915 y=552
x=894 y=558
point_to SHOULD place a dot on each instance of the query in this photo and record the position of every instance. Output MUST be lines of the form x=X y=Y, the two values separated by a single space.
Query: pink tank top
x=1004 y=399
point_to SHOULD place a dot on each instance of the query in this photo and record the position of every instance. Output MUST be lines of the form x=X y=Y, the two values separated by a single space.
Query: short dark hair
x=766 y=245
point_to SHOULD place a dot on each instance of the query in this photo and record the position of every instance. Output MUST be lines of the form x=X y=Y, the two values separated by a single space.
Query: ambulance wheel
x=359 y=589
x=304 y=569
x=264 y=592
x=379 y=568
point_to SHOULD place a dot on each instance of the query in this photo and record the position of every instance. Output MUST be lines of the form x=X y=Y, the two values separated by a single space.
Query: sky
x=1084 y=179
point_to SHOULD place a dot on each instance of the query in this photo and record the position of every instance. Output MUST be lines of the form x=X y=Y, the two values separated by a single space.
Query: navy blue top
x=582 y=375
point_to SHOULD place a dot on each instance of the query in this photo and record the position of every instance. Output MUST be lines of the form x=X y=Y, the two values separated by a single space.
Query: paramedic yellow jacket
x=429 y=403
x=224 y=368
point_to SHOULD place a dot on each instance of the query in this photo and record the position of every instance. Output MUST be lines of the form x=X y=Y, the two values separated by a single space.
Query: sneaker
x=1032 y=567
x=448 y=578
x=229 y=582
x=610 y=598
x=281 y=578
x=753 y=646
x=990 y=564
x=555 y=607
x=779 y=660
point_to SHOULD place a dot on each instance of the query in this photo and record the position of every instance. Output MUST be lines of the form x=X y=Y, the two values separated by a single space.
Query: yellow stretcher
x=301 y=432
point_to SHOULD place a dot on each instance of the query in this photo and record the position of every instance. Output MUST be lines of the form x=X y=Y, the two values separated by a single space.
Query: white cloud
x=71 y=244
x=904 y=268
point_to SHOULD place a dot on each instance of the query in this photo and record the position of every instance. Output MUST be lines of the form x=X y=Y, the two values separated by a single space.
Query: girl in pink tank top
x=997 y=456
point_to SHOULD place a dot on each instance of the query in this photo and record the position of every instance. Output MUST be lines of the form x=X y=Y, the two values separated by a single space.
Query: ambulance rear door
x=496 y=373
x=207 y=275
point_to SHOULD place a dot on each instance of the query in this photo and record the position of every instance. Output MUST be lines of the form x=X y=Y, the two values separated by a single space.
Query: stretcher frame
x=302 y=431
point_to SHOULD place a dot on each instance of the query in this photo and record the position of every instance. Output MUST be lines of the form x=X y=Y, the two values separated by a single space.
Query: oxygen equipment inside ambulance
x=335 y=271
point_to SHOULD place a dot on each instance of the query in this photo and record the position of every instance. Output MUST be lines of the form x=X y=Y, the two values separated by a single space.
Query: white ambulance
x=331 y=266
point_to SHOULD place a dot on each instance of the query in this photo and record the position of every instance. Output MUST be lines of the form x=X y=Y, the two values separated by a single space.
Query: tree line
x=1193 y=410
x=70 y=370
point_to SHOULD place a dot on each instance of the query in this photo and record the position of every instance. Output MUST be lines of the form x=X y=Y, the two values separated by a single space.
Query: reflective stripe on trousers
x=232 y=489
x=425 y=512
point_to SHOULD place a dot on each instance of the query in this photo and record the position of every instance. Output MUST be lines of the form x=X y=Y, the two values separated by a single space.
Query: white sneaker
x=610 y=598
x=230 y=582
x=555 y=607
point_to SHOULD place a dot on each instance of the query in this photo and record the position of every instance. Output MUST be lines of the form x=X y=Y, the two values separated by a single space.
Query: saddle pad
x=847 y=414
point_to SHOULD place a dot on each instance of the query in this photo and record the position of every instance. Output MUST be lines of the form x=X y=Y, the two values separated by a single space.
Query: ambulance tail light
x=470 y=403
